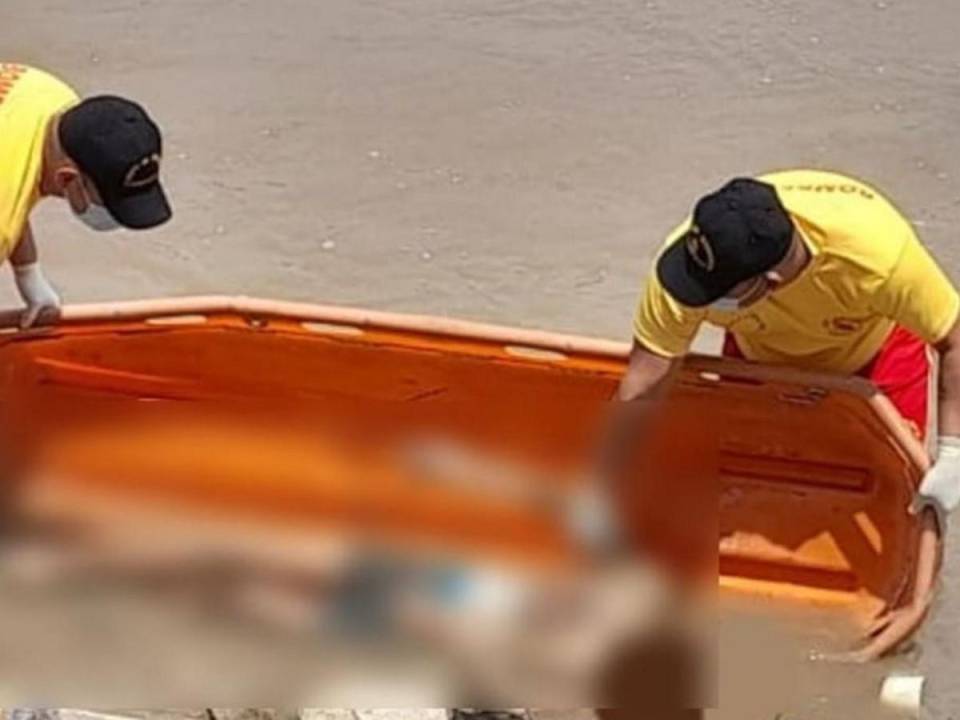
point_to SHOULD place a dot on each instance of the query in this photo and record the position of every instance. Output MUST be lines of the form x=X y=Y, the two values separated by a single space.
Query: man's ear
x=64 y=176
x=773 y=277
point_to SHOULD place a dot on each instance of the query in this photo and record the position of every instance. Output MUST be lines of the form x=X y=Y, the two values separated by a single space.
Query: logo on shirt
x=842 y=325
x=9 y=75
x=841 y=188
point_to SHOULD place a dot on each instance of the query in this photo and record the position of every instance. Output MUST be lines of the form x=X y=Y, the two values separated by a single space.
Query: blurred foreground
x=138 y=609
x=251 y=504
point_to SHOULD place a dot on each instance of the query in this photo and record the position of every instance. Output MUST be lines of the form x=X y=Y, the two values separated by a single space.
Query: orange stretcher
x=262 y=409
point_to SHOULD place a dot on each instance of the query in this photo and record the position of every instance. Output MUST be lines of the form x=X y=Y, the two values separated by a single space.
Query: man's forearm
x=641 y=389
x=42 y=300
x=949 y=393
x=940 y=486
x=591 y=510
x=25 y=252
x=623 y=425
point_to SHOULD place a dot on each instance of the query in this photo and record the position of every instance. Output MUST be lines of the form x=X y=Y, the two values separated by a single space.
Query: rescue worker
x=102 y=155
x=801 y=268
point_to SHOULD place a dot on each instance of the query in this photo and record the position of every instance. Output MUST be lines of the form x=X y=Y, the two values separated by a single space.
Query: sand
x=515 y=161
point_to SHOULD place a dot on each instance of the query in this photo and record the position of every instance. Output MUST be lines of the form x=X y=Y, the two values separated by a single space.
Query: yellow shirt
x=868 y=272
x=29 y=98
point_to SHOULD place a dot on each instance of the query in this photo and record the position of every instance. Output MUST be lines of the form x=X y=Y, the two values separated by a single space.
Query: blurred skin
x=660 y=666
x=572 y=641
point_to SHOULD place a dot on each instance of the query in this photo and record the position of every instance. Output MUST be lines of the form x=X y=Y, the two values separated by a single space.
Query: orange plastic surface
x=260 y=409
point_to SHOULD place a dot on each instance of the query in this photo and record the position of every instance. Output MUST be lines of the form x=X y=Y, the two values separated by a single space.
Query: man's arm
x=25 y=252
x=941 y=484
x=919 y=296
x=644 y=383
x=41 y=299
x=592 y=513
x=663 y=330
x=949 y=383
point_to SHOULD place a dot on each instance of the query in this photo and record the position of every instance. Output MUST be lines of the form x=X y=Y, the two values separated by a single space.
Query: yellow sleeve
x=918 y=295
x=663 y=325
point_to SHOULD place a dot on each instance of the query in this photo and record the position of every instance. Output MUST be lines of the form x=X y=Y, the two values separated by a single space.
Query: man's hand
x=42 y=301
x=941 y=485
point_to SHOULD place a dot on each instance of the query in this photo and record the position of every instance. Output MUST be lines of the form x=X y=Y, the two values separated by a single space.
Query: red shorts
x=901 y=370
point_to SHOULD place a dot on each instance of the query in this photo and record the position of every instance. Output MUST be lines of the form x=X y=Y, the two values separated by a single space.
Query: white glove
x=37 y=293
x=592 y=518
x=941 y=484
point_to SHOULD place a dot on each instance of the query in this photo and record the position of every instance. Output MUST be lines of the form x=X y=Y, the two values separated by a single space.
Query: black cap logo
x=700 y=250
x=143 y=173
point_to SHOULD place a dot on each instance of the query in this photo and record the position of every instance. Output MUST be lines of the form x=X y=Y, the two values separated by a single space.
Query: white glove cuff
x=28 y=271
x=948 y=447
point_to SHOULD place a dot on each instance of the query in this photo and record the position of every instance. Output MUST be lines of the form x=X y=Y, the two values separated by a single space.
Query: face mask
x=97 y=217
x=725 y=304
x=729 y=304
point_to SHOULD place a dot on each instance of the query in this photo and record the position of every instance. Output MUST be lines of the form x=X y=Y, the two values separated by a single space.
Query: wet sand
x=515 y=161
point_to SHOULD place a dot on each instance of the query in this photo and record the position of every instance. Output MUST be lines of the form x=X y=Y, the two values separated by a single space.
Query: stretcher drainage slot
x=715 y=377
x=810 y=396
x=177 y=320
x=793 y=473
x=331 y=328
x=532 y=353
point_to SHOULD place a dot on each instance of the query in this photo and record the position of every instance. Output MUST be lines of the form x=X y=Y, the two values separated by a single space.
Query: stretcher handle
x=10 y=318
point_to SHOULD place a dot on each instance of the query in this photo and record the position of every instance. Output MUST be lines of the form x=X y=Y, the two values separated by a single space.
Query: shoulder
x=29 y=88
x=813 y=188
x=849 y=221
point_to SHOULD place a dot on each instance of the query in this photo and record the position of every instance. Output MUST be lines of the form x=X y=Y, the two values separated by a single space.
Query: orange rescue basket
x=229 y=403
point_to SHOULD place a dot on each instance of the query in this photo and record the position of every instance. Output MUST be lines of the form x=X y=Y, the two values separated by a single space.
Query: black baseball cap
x=115 y=143
x=738 y=232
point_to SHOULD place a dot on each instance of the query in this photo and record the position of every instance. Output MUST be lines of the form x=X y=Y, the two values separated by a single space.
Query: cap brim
x=674 y=273
x=144 y=210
